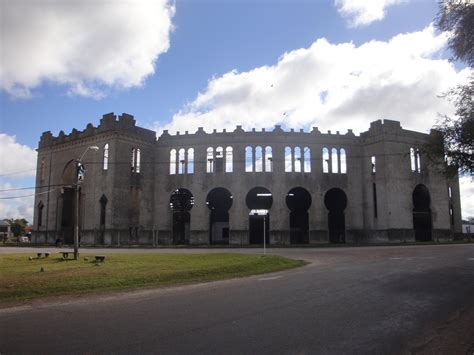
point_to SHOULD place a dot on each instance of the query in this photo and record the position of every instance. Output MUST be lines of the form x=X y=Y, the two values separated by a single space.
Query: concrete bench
x=66 y=254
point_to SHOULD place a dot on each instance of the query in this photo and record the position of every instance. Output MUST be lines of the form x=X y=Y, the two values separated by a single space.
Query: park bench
x=99 y=258
x=40 y=254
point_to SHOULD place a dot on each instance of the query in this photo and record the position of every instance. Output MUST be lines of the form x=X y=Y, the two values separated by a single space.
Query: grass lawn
x=21 y=279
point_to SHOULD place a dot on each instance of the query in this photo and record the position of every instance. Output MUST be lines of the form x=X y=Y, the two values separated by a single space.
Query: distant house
x=467 y=227
x=5 y=230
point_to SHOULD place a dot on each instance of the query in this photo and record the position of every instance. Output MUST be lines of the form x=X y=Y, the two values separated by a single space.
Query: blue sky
x=179 y=65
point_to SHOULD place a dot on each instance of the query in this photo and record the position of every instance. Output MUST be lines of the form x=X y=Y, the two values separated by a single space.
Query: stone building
x=235 y=187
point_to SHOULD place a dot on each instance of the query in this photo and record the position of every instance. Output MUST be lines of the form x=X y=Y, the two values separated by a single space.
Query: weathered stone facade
x=317 y=187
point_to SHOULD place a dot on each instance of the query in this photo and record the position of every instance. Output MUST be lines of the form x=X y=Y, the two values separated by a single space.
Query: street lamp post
x=79 y=177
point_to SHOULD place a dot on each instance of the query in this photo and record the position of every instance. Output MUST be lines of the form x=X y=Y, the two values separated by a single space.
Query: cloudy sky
x=335 y=64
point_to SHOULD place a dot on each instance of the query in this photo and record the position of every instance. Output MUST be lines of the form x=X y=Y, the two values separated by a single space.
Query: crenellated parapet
x=239 y=134
x=122 y=124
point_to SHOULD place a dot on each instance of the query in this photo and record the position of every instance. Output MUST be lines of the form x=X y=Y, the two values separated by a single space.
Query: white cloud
x=87 y=45
x=16 y=158
x=333 y=86
x=17 y=170
x=364 y=12
x=16 y=207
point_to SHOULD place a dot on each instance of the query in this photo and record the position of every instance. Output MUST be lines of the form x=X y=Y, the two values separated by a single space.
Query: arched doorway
x=259 y=201
x=181 y=202
x=298 y=201
x=67 y=201
x=219 y=201
x=421 y=213
x=336 y=201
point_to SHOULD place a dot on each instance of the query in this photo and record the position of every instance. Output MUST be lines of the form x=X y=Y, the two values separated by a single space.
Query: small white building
x=5 y=230
x=467 y=227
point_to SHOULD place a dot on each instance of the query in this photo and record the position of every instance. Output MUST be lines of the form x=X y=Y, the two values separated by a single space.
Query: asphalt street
x=359 y=300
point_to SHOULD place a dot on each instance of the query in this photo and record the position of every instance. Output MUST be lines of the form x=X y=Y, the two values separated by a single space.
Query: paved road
x=367 y=300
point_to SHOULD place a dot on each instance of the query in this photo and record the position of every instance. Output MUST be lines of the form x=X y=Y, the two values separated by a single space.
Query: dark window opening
x=103 y=205
x=40 y=214
x=336 y=201
x=451 y=214
x=374 y=196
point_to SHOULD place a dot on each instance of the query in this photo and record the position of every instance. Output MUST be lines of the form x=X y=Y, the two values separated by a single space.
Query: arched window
x=288 y=160
x=43 y=168
x=334 y=161
x=413 y=159
x=210 y=160
x=325 y=160
x=135 y=161
x=418 y=161
x=343 y=158
x=268 y=159
x=138 y=162
x=373 y=162
x=219 y=162
x=181 y=161
x=106 y=157
x=190 y=161
x=172 y=161
x=307 y=160
x=229 y=158
x=248 y=159
x=298 y=160
x=258 y=159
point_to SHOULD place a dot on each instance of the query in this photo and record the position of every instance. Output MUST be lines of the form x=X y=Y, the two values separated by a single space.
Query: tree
x=454 y=137
x=457 y=17
x=18 y=226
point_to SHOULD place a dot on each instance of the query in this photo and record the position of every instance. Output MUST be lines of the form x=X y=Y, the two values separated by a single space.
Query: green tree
x=454 y=137
x=457 y=17
x=18 y=226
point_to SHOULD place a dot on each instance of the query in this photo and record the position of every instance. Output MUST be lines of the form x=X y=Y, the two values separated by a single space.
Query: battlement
x=124 y=123
x=381 y=127
x=239 y=131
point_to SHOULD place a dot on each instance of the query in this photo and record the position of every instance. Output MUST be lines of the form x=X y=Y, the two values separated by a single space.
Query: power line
x=23 y=196
x=31 y=187
x=18 y=172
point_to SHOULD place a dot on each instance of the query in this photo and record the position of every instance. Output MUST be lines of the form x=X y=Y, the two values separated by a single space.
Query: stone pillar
x=239 y=220
x=279 y=218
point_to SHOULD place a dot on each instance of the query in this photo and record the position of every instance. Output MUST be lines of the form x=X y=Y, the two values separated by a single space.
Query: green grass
x=21 y=279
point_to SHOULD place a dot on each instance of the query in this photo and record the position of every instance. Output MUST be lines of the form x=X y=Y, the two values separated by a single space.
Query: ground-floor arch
x=259 y=201
x=181 y=203
x=336 y=201
x=422 y=213
x=219 y=201
x=298 y=201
